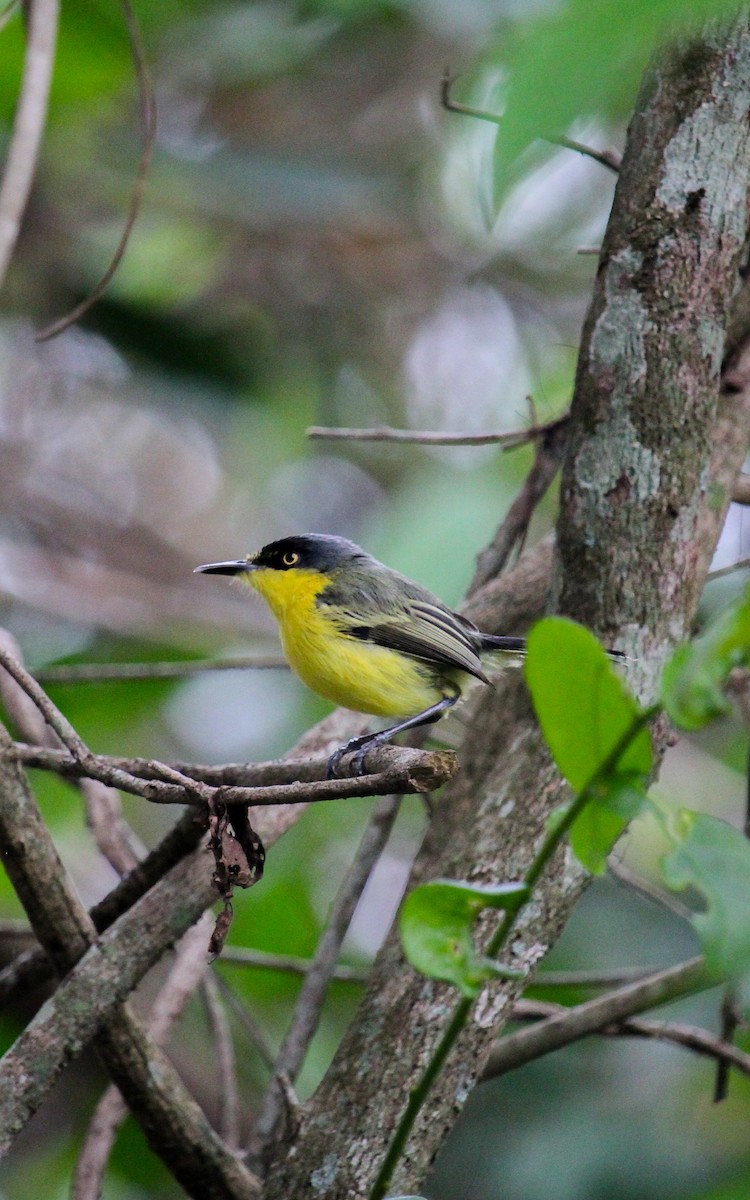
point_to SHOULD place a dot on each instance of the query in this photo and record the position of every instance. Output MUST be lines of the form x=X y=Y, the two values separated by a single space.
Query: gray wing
x=426 y=631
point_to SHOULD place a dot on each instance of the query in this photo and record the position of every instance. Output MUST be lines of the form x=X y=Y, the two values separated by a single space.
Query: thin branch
x=649 y=891
x=31 y=114
x=86 y=763
x=15 y=929
x=121 y=672
x=549 y=451
x=731 y=1020
x=588 y=979
x=254 y=1030
x=384 y=433
x=229 y=1100
x=312 y=993
x=148 y=124
x=52 y=715
x=114 y=838
x=692 y=1037
x=9 y=12
x=742 y=564
x=243 y=956
x=399 y=769
x=572 y=1024
x=606 y=158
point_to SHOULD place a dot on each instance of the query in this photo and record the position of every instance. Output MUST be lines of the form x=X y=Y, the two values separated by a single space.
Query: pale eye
x=290 y=558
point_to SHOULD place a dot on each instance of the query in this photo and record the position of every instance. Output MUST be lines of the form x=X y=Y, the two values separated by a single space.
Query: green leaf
x=595 y=831
x=694 y=679
x=547 y=92
x=712 y=857
x=584 y=709
x=436 y=923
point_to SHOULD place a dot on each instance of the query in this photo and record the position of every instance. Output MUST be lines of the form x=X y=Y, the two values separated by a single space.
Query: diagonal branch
x=148 y=124
x=691 y=1037
x=572 y=1024
x=320 y=971
x=93 y=992
x=186 y=972
x=605 y=158
x=28 y=127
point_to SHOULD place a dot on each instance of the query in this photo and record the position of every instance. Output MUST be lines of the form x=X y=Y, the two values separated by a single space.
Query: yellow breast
x=352 y=673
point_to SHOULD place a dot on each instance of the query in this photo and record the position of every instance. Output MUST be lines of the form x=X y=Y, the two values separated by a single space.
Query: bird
x=364 y=636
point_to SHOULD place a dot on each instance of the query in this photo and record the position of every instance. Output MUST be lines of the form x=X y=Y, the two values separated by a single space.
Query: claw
x=333 y=762
x=358 y=762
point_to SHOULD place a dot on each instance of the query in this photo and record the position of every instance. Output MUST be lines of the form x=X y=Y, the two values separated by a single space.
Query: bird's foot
x=359 y=744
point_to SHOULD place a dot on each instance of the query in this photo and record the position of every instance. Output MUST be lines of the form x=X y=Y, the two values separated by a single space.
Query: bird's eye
x=290 y=558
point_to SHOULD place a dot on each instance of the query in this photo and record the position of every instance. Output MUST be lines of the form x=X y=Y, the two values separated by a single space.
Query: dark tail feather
x=517 y=645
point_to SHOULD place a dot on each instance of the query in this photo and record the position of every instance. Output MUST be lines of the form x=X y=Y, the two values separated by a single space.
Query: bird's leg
x=368 y=741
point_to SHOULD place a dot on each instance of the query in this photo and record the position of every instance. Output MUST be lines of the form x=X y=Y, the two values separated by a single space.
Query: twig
x=742 y=564
x=28 y=126
x=119 y=672
x=114 y=838
x=606 y=158
x=8 y=12
x=242 y=956
x=312 y=993
x=52 y=715
x=229 y=1099
x=184 y=788
x=550 y=449
x=401 y=769
x=588 y=979
x=648 y=890
x=252 y=1028
x=85 y=762
x=692 y=1037
x=731 y=1019
x=384 y=433
x=572 y=1024
x=148 y=123
x=188 y=969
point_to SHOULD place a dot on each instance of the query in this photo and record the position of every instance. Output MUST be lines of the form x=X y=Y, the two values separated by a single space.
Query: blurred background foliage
x=321 y=243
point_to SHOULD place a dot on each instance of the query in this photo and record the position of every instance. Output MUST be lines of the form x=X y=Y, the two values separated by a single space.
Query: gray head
x=315 y=551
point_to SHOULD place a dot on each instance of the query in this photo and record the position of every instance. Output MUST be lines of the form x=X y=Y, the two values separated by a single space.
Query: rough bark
x=654 y=451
